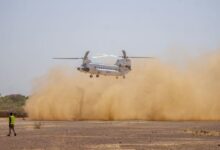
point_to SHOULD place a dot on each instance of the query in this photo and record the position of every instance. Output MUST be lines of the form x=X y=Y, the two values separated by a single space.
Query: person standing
x=11 y=121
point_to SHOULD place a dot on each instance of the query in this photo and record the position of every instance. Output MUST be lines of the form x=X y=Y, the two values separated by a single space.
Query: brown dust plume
x=151 y=91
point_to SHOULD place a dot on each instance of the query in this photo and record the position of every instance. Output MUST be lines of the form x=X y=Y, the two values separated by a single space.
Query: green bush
x=12 y=103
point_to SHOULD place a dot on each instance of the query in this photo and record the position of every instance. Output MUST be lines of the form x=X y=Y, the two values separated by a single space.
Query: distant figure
x=11 y=121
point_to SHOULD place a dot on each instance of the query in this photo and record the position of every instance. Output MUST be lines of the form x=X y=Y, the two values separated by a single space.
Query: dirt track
x=55 y=135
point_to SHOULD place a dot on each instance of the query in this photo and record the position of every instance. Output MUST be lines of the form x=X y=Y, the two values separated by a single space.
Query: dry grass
x=202 y=132
x=37 y=125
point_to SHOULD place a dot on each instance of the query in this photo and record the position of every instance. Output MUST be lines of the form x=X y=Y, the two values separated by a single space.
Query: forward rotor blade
x=68 y=58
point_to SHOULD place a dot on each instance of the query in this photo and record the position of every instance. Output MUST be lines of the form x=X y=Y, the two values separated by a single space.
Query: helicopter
x=120 y=68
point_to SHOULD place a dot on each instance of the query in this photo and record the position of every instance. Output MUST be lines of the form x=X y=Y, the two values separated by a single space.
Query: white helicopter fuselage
x=101 y=69
x=119 y=69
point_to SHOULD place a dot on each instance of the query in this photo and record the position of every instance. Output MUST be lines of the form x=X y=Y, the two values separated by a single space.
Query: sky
x=33 y=32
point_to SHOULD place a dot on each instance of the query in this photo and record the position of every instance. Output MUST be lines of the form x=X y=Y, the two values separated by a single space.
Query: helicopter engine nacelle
x=83 y=69
x=124 y=63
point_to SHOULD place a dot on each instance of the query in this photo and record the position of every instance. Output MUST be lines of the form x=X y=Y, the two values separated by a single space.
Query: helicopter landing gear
x=97 y=75
x=91 y=76
x=116 y=77
x=123 y=77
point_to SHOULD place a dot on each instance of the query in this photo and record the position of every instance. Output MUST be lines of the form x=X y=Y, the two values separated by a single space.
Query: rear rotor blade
x=140 y=57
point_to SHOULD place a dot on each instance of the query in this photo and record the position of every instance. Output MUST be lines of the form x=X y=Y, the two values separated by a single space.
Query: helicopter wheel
x=91 y=76
x=97 y=76
x=116 y=77
x=123 y=77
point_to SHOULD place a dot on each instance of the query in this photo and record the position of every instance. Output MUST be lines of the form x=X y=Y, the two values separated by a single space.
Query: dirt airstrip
x=111 y=135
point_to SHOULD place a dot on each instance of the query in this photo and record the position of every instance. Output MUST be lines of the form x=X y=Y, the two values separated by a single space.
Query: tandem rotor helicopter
x=120 y=68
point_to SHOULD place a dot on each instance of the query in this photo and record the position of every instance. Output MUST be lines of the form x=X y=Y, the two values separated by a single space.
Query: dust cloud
x=151 y=91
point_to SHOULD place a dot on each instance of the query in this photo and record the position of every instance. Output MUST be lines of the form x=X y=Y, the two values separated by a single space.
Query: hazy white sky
x=32 y=32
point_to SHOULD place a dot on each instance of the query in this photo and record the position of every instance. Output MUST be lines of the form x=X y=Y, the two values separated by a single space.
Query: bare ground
x=111 y=135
